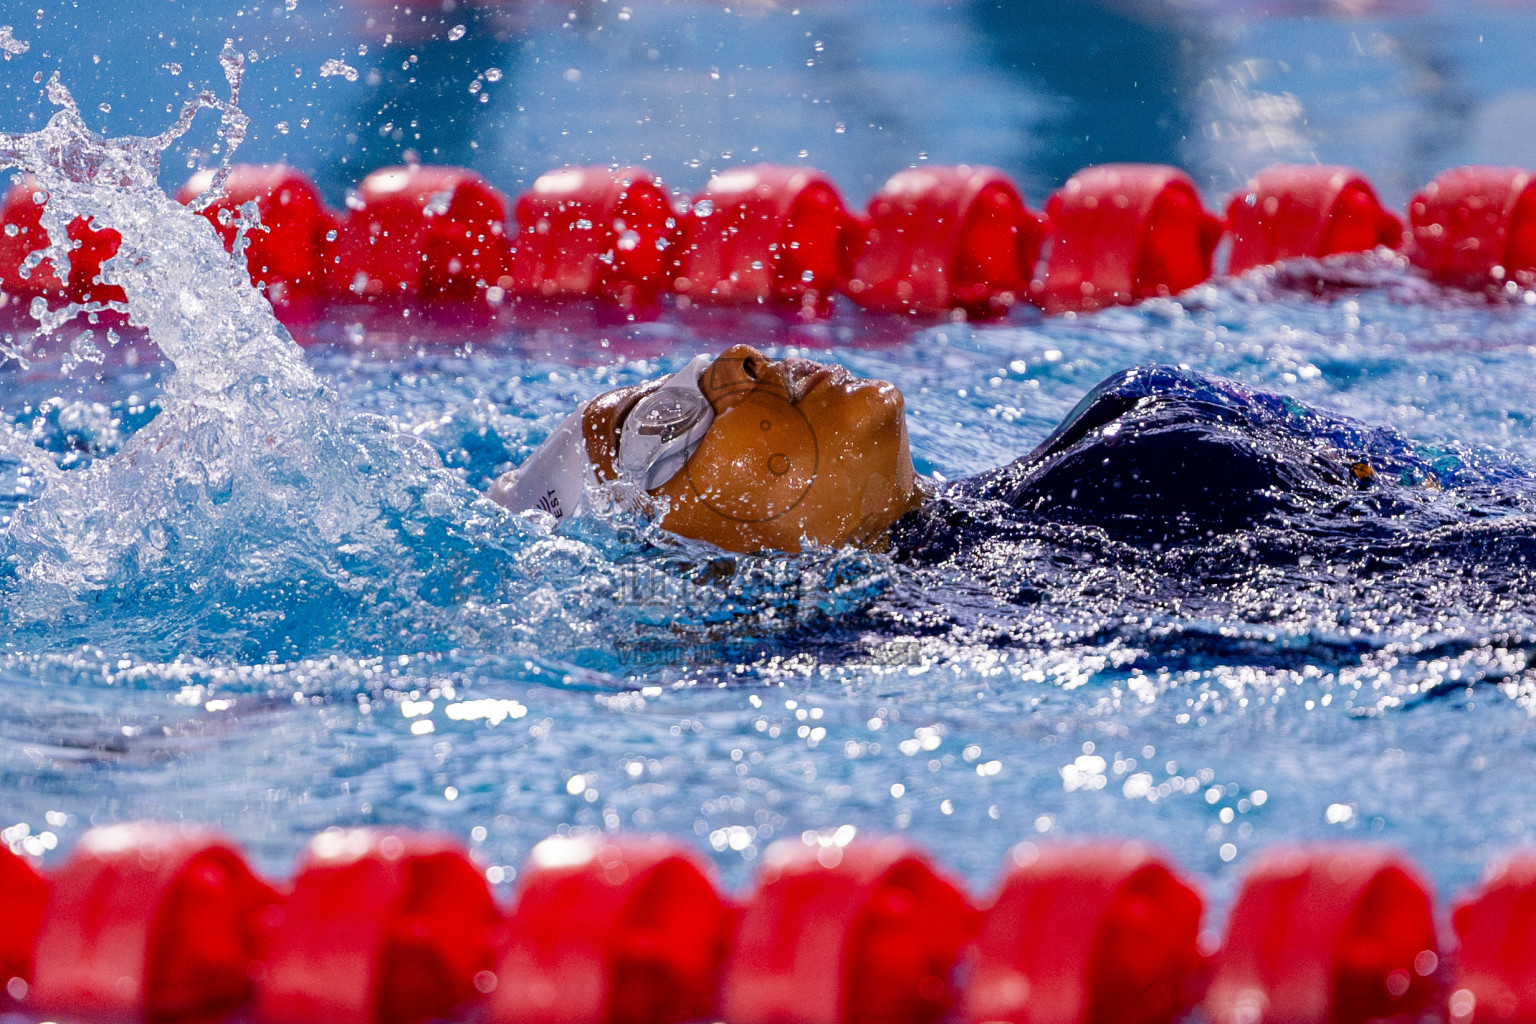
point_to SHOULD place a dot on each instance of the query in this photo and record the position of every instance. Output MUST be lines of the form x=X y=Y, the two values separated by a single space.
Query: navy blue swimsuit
x=1157 y=457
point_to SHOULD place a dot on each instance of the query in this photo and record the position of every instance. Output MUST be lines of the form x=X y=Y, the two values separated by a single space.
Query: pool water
x=260 y=587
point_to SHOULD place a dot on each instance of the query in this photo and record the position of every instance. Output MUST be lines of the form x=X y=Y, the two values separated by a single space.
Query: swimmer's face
x=798 y=450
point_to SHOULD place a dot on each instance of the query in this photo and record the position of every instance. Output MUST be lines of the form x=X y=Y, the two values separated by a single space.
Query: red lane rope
x=933 y=240
x=167 y=923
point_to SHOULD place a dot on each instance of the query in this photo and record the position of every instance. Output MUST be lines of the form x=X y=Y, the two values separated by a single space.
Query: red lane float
x=1121 y=233
x=857 y=933
x=1331 y=935
x=23 y=897
x=1495 y=924
x=942 y=238
x=612 y=931
x=21 y=234
x=595 y=233
x=149 y=922
x=1086 y=934
x=381 y=927
x=936 y=239
x=1473 y=227
x=1292 y=211
x=765 y=234
x=287 y=254
x=420 y=233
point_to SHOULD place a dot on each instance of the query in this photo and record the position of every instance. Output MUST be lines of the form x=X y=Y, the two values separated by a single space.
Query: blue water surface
x=340 y=630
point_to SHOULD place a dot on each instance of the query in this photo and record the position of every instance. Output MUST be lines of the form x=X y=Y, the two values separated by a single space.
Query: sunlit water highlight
x=259 y=587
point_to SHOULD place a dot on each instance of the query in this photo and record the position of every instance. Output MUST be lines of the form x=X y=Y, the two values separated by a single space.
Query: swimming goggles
x=657 y=436
x=664 y=428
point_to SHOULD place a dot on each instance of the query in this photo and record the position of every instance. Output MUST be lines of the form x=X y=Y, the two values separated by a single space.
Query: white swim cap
x=556 y=475
x=660 y=432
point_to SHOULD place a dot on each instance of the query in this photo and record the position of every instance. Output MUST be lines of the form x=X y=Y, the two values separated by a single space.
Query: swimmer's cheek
x=688 y=516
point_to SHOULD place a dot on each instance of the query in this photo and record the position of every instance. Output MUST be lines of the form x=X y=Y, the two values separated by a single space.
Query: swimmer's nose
x=742 y=368
x=733 y=373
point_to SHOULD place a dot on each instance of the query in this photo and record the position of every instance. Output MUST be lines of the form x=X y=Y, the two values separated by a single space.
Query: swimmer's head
x=779 y=452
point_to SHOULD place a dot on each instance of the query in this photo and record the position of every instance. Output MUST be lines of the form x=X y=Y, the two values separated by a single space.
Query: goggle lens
x=664 y=428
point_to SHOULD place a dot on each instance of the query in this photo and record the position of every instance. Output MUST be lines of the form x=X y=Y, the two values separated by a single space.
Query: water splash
x=255 y=516
x=251 y=497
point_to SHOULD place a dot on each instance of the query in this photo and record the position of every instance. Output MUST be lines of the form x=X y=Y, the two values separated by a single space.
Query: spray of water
x=251 y=498
x=256 y=516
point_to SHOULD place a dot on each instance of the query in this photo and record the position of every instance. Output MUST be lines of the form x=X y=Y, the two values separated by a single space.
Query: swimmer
x=749 y=453
x=755 y=454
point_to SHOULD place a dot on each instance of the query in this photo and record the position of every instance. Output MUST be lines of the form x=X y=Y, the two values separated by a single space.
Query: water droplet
x=10 y=46
x=334 y=67
x=456 y=33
